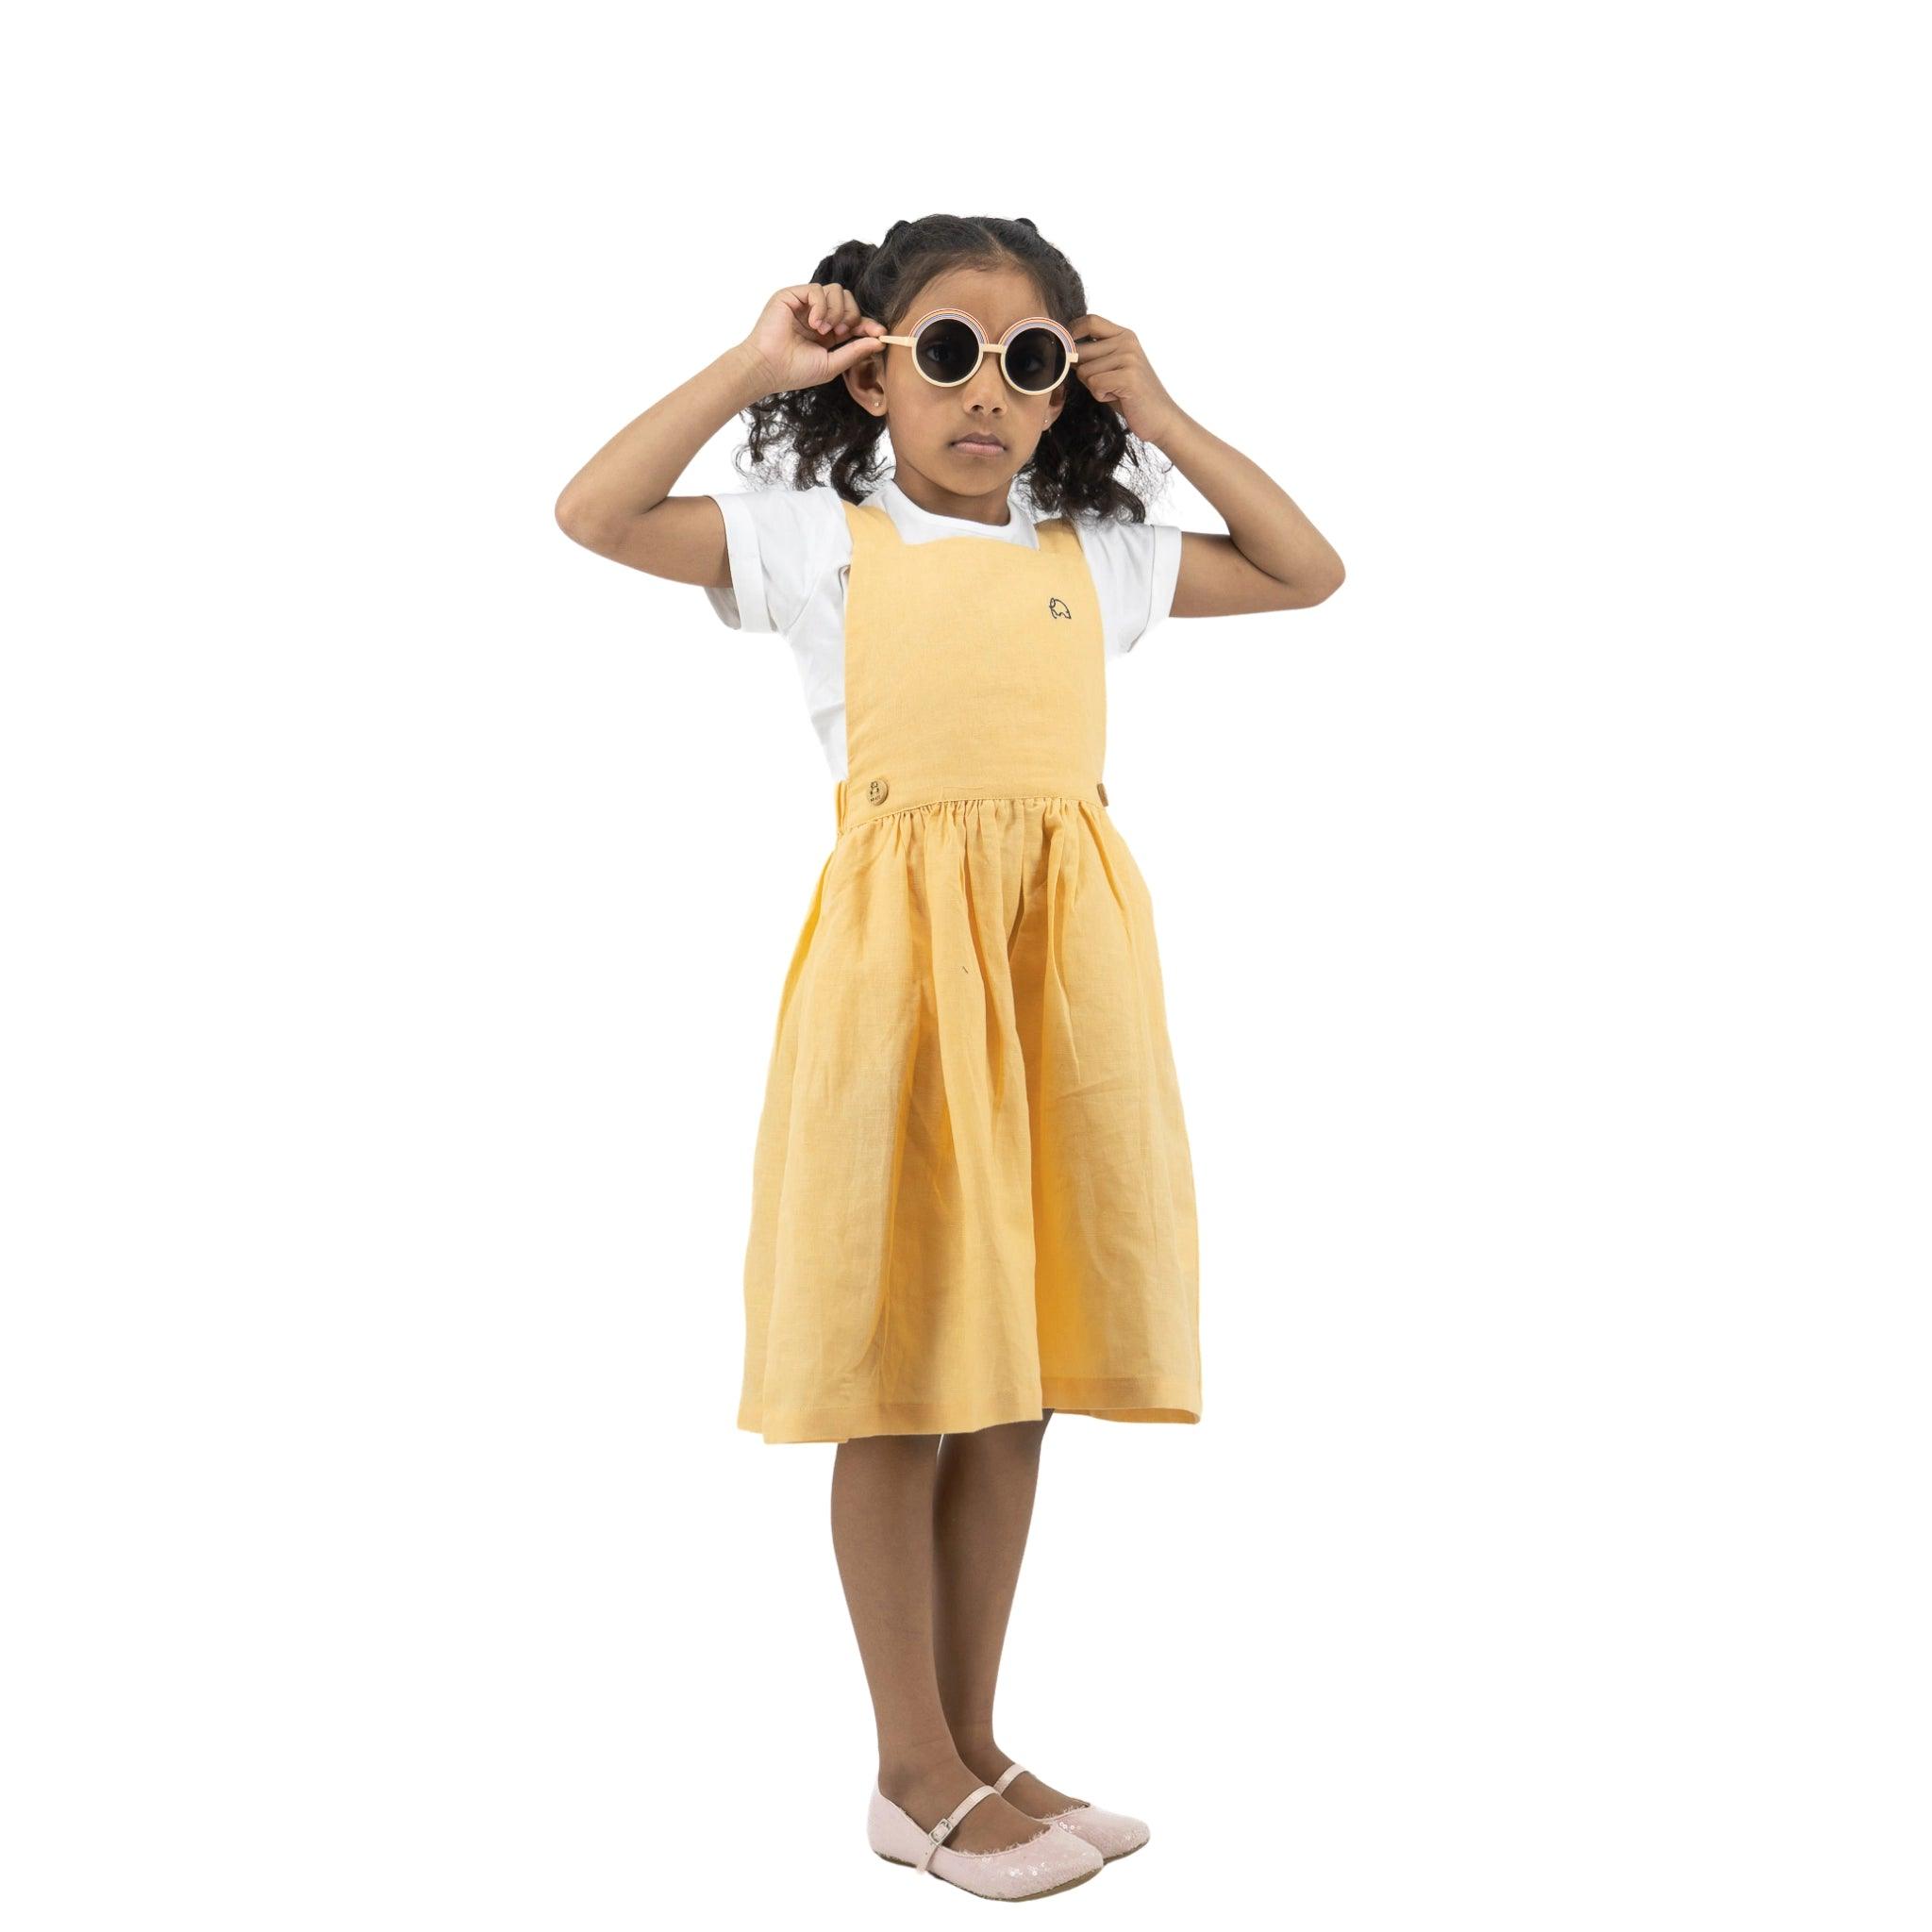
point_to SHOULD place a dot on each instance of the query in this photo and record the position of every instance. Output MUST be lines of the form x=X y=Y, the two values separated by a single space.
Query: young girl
x=973 y=1202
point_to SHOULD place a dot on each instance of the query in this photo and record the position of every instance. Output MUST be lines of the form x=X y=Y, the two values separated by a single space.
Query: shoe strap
x=1007 y=1776
x=943 y=1829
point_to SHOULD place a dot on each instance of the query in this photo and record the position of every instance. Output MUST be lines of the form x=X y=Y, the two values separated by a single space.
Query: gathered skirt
x=973 y=1199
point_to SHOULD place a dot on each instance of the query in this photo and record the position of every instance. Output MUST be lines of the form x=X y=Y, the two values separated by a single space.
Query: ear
x=866 y=382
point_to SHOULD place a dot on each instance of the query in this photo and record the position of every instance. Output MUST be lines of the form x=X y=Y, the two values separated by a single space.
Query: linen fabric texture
x=973 y=1198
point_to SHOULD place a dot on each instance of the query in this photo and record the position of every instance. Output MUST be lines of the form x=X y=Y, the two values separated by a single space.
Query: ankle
x=971 y=1732
x=917 y=1771
x=981 y=1754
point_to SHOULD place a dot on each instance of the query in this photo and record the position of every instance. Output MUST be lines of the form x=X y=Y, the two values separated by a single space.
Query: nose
x=987 y=388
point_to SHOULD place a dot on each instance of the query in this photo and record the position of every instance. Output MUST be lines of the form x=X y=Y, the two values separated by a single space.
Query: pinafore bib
x=972 y=1193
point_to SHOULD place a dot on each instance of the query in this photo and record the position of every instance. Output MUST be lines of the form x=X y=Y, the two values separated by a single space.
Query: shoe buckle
x=940 y=1830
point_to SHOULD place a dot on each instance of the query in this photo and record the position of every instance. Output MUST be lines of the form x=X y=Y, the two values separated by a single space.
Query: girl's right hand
x=810 y=333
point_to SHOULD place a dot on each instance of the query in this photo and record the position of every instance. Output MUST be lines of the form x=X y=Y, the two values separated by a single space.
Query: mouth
x=980 y=445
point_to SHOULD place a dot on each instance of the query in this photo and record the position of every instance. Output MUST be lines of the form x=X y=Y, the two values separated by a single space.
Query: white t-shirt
x=791 y=553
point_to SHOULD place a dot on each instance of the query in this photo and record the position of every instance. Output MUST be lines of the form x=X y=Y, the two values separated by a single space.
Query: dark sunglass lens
x=946 y=350
x=1036 y=360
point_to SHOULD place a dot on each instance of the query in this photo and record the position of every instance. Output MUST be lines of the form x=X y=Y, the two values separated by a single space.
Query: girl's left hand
x=1115 y=370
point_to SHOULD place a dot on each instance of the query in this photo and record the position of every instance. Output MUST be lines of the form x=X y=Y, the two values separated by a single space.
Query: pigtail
x=846 y=264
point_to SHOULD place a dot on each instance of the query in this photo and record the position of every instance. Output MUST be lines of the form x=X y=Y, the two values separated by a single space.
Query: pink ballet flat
x=1049 y=1861
x=1112 y=1834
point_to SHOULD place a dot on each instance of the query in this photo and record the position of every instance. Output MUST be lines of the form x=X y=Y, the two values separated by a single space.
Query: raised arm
x=1273 y=557
x=619 y=504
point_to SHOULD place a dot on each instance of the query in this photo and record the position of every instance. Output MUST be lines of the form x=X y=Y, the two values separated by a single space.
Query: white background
x=398 y=899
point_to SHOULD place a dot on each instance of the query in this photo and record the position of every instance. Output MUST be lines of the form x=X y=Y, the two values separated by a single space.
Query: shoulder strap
x=869 y=516
x=942 y=1830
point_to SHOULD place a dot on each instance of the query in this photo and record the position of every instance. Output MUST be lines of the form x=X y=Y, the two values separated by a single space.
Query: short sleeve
x=779 y=541
x=1135 y=568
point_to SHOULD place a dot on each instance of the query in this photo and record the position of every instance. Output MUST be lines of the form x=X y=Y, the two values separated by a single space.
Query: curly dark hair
x=827 y=438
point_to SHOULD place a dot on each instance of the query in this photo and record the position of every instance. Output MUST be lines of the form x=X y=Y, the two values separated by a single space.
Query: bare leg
x=983 y=1509
x=882 y=1535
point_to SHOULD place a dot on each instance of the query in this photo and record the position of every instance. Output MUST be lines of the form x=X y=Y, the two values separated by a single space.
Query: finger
x=828 y=306
x=840 y=306
x=803 y=302
x=1103 y=380
x=848 y=354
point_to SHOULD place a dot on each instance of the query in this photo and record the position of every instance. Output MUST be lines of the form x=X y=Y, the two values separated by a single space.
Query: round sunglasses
x=948 y=347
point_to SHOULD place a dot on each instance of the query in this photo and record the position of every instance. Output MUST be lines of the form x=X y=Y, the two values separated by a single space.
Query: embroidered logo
x=1057 y=609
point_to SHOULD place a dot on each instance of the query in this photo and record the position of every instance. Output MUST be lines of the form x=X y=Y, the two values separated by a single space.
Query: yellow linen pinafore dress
x=973 y=1198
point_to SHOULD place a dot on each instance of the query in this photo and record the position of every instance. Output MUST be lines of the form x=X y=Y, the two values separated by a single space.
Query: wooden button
x=876 y=790
x=1102 y=789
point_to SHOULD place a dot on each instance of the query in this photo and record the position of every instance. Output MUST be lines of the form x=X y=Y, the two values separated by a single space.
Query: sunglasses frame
x=999 y=348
